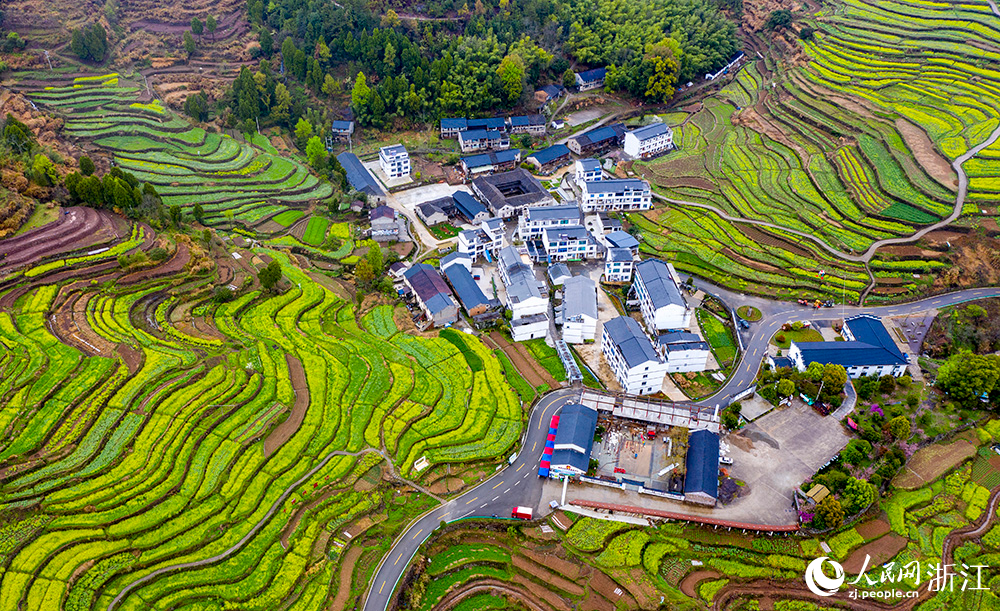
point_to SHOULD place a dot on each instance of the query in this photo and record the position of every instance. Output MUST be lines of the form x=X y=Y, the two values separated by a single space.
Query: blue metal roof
x=491 y=123
x=590 y=76
x=577 y=424
x=491 y=158
x=566 y=232
x=621 y=239
x=341 y=126
x=479 y=134
x=458 y=123
x=589 y=164
x=635 y=347
x=872 y=346
x=465 y=287
x=616 y=185
x=467 y=205
x=428 y=284
x=619 y=255
x=547 y=155
x=677 y=337
x=702 y=463
x=358 y=175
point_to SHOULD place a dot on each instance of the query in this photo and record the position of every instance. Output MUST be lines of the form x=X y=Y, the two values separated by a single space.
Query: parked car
x=521 y=513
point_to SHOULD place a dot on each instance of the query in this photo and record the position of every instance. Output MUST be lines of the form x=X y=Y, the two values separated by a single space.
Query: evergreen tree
x=211 y=25
x=189 y=46
x=197 y=27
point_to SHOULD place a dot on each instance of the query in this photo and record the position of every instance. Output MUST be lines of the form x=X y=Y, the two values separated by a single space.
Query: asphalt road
x=518 y=483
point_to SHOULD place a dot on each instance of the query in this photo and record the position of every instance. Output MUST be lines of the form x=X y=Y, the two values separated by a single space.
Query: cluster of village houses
x=518 y=224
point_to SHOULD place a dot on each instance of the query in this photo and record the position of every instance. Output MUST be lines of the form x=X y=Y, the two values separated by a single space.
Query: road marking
x=418 y=532
x=495 y=498
x=397 y=558
x=534 y=446
x=498 y=485
x=483 y=505
x=466 y=515
x=472 y=499
x=525 y=475
x=380 y=589
x=507 y=490
x=519 y=468
x=517 y=482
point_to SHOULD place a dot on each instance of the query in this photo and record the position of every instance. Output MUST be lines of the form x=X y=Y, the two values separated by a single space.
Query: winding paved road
x=518 y=483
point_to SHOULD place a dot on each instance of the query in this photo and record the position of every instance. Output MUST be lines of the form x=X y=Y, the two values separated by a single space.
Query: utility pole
x=48 y=59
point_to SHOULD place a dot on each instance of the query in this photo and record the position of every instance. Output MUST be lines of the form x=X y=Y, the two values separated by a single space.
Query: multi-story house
x=394 y=161
x=868 y=350
x=591 y=79
x=618 y=265
x=616 y=194
x=485 y=241
x=631 y=357
x=535 y=219
x=587 y=170
x=482 y=139
x=578 y=312
x=648 y=141
x=530 y=124
x=660 y=299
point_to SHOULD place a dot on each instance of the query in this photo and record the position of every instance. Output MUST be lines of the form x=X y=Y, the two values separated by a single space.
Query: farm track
x=865 y=258
x=730 y=593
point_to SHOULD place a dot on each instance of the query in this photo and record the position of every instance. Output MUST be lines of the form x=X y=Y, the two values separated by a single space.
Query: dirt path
x=689 y=585
x=526 y=365
x=346 y=573
x=284 y=431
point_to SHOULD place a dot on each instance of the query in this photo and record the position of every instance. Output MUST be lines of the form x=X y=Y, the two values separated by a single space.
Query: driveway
x=405 y=202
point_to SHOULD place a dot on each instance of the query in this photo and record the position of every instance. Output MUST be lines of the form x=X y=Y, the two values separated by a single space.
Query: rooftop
x=465 y=287
x=618 y=255
x=429 y=286
x=491 y=158
x=577 y=424
x=558 y=273
x=579 y=298
x=559 y=212
x=621 y=239
x=601 y=134
x=650 y=131
x=872 y=346
x=589 y=76
x=635 y=347
x=454 y=123
x=615 y=185
x=566 y=232
x=550 y=154
x=341 y=126
x=392 y=150
x=381 y=212
x=589 y=164
x=525 y=120
x=358 y=175
x=702 y=463
x=659 y=284
x=468 y=205
x=677 y=337
x=516 y=188
x=686 y=346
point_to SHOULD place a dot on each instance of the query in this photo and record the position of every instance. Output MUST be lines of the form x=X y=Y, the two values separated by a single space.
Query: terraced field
x=852 y=147
x=193 y=455
x=233 y=181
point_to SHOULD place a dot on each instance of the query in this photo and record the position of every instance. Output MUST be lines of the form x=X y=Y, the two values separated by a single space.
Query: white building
x=648 y=141
x=578 y=312
x=486 y=241
x=591 y=79
x=529 y=308
x=565 y=243
x=535 y=219
x=587 y=170
x=618 y=265
x=631 y=357
x=394 y=161
x=615 y=194
x=657 y=288
x=482 y=140
x=683 y=351
x=868 y=350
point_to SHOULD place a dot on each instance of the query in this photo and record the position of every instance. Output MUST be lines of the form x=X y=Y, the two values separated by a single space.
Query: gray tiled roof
x=428 y=284
x=616 y=255
x=635 y=347
x=590 y=164
x=465 y=287
x=616 y=185
x=566 y=232
x=660 y=286
x=621 y=239
x=579 y=298
x=650 y=131
x=677 y=337
x=569 y=212
x=358 y=175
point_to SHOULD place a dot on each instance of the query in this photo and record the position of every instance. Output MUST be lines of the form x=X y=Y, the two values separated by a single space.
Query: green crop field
x=316 y=230
x=252 y=445
x=718 y=337
x=830 y=153
x=233 y=180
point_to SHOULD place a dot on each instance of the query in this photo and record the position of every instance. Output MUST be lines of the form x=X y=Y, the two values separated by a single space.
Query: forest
x=477 y=59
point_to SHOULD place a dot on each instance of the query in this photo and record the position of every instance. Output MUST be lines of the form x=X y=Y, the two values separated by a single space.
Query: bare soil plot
x=284 y=431
x=880 y=550
x=872 y=529
x=924 y=152
x=689 y=585
x=931 y=462
x=545 y=575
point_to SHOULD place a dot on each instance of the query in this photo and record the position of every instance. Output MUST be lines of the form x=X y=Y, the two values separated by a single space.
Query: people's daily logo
x=818 y=582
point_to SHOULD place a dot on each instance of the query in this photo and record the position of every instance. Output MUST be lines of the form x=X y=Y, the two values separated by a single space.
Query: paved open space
x=777 y=452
